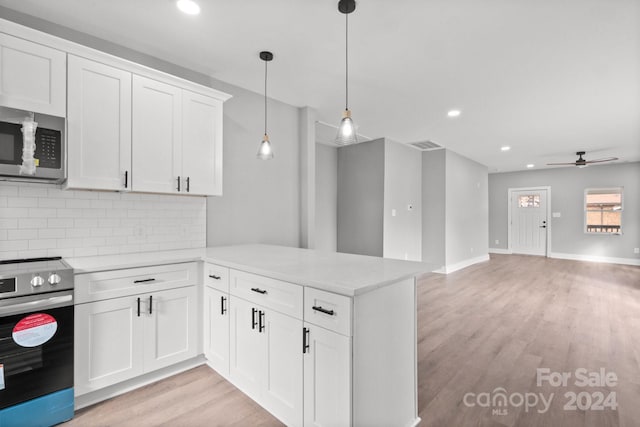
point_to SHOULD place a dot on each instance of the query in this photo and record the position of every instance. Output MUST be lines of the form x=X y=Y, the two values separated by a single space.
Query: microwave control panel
x=48 y=143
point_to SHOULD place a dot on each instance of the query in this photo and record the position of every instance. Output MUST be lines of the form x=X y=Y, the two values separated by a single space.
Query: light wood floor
x=490 y=325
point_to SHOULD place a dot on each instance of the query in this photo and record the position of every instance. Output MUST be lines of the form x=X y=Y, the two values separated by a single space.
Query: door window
x=529 y=201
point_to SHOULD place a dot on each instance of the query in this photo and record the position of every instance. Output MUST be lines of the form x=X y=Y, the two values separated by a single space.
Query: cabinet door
x=170 y=327
x=216 y=329
x=247 y=353
x=327 y=378
x=99 y=126
x=202 y=144
x=108 y=347
x=156 y=137
x=32 y=77
x=283 y=380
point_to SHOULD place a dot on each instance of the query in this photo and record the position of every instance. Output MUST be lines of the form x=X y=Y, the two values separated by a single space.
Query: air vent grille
x=426 y=145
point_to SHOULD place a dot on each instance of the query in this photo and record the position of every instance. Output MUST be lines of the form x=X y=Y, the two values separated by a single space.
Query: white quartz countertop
x=344 y=274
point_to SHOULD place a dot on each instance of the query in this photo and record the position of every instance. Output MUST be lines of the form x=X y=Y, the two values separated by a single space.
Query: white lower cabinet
x=266 y=358
x=108 y=343
x=216 y=329
x=170 y=329
x=121 y=338
x=327 y=378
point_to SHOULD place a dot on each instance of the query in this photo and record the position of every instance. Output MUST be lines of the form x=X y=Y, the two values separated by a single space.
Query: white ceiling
x=546 y=77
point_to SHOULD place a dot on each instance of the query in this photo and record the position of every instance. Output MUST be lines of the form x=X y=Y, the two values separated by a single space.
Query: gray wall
x=433 y=208
x=567 y=198
x=261 y=200
x=402 y=187
x=361 y=198
x=467 y=209
x=326 y=229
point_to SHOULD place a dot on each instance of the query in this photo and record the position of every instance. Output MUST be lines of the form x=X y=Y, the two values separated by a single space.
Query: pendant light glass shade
x=347 y=129
x=265 y=152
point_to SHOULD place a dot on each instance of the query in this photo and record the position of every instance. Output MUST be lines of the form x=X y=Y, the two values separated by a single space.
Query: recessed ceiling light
x=505 y=148
x=531 y=165
x=188 y=6
x=453 y=113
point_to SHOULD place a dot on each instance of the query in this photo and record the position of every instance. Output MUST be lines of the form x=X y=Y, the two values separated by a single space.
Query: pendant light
x=265 y=152
x=347 y=130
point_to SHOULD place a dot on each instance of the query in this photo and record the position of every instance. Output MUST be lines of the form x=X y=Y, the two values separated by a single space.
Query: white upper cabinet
x=201 y=144
x=157 y=136
x=98 y=126
x=32 y=76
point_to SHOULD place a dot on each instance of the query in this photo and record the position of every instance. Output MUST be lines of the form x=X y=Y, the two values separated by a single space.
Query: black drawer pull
x=144 y=280
x=178 y=183
x=150 y=304
x=323 y=310
x=305 y=340
x=253 y=318
x=222 y=309
x=126 y=179
x=188 y=184
x=138 y=306
x=261 y=321
x=260 y=291
x=213 y=276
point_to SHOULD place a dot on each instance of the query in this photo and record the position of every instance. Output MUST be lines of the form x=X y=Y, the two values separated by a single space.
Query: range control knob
x=54 y=279
x=37 y=281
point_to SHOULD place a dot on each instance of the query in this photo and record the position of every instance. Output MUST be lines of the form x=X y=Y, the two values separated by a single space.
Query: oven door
x=36 y=346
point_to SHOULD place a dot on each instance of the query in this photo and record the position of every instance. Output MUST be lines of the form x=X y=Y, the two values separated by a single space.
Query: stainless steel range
x=36 y=342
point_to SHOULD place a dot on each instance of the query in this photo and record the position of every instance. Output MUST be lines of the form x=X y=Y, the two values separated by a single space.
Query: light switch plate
x=556 y=214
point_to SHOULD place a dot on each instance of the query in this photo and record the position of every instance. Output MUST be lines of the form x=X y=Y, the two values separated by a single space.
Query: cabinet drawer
x=330 y=311
x=270 y=293
x=118 y=283
x=216 y=277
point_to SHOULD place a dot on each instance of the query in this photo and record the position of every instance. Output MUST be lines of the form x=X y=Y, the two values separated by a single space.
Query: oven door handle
x=36 y=304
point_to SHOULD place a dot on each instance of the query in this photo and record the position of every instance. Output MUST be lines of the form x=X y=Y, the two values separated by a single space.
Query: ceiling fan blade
x=607 y=159
x=561 y=164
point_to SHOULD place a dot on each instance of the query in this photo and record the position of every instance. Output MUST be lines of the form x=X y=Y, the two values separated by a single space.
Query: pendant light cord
x=265 y=97
x=346 y=61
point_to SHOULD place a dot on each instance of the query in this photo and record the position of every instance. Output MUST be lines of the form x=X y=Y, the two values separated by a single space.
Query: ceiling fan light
x=265 y=152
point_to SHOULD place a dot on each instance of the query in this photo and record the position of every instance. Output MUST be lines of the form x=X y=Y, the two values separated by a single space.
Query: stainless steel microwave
x=49 y=153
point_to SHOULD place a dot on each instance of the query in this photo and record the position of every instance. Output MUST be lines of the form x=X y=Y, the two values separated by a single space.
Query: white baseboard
x=595 y=258
x=500 y=251
x=462 y=264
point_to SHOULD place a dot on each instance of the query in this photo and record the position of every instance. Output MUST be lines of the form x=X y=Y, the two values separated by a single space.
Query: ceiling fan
x=581 y=163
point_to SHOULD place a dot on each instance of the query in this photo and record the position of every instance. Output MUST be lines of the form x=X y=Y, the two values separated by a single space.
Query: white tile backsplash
x=44 y=220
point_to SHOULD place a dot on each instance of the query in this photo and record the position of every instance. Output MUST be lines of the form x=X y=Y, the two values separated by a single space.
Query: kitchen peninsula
x=317 y=338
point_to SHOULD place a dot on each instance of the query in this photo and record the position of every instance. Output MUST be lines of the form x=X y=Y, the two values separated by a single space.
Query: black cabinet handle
x=253 y=318
x=261 y=321
x=258 y=290
x=305 y=340
x=222 y=309
x=126 y=179
x=178 y=183
x=323 y=310
x=213 y=276
x=188 y=179
x=144 y=280
x=138 y=306
x=150 y=304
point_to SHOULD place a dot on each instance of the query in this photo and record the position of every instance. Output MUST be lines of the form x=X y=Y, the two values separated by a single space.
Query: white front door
x=529 y=222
